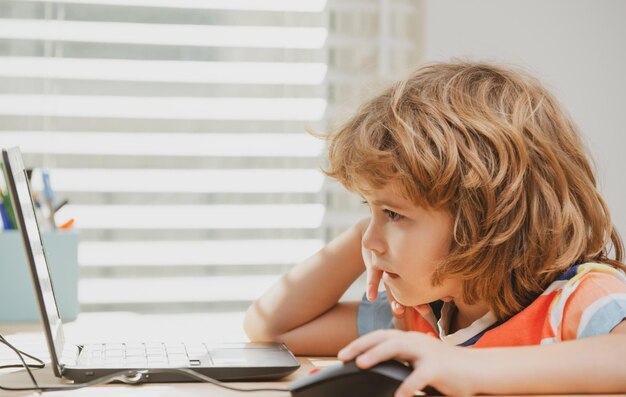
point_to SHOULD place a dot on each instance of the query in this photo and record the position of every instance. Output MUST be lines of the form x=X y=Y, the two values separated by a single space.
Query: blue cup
x=17 y=294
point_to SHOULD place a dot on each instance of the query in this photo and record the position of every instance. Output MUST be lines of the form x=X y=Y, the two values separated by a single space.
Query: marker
x=6 y=223
x=7 y=209
x=6 y=202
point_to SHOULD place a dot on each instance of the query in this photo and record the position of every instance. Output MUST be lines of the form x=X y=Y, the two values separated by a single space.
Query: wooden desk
x=114 y=327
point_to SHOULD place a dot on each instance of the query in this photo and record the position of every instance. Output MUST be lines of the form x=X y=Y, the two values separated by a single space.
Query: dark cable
x=40 y=364
x=19 y=354
x=195 y=375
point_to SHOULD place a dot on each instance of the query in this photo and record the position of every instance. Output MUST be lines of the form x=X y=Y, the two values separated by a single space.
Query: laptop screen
x=35 y=254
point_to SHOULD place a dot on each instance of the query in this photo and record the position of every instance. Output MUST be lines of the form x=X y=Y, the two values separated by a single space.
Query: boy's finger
x=397 y=309
x=373 y=281
x=386 y=350
x=364 y=343
x=413 y=383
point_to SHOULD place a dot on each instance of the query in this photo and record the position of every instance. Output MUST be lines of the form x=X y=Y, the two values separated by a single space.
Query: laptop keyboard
x=145 y=355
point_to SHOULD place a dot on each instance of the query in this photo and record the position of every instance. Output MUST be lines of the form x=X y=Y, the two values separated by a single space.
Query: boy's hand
x=373 y=276
x=373 y=281
x=446 y=368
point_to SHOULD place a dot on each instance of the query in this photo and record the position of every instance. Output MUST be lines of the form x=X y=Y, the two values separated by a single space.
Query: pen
x=60 y=205
x=49 y=197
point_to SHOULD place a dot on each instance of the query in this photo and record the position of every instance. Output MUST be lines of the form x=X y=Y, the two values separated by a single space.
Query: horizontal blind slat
x=193 y=216
x=304 y=6
x=304 y=73
x=182 y=289
x=165 y=144
x=185 y=181
x=210 y=252
x=164 y=34
x=240 y=5
x=181 y=108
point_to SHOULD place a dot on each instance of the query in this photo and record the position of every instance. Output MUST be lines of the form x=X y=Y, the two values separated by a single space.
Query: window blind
x=176 y=130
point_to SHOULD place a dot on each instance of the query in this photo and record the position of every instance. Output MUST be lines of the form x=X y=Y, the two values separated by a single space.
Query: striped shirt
x=587 y=300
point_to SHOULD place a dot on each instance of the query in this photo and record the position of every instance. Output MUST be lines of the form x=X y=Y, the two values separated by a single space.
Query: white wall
x=576 y=47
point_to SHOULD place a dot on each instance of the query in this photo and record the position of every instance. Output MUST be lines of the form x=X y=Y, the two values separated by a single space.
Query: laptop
x=83 y=363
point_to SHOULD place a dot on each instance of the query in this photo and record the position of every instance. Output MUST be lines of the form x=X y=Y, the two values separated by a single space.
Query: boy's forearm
x=308 y=290
x=592 y=365
x=326 y=334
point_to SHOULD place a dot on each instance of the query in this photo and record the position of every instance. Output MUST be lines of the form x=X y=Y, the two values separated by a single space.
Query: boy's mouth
x=390 y=275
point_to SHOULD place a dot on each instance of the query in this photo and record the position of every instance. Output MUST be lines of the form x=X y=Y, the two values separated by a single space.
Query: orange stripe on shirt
x=527 y=327
x=414 y=321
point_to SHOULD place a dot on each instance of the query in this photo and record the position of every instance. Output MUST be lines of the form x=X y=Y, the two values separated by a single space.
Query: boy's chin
x=417 y=303
x=407 y=302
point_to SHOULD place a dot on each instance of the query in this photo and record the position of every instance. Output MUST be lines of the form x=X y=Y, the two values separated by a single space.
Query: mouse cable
x=40 y=364
x=203 y=378
x=19 y=354
x=133 y=377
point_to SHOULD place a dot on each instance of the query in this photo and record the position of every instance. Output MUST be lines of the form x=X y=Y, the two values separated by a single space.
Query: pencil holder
x=17 y=295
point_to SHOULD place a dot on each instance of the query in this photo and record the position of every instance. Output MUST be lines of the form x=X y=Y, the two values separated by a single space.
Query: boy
x=486 y=230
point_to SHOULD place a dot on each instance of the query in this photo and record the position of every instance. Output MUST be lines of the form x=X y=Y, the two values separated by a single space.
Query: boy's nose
x=372 y=240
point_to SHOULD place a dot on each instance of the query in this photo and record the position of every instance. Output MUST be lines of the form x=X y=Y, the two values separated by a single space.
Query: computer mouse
x=347 y=379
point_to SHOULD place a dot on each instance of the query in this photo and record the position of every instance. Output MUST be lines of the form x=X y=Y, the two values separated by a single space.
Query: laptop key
x=176 y=349
x=177 y=357
x=136 y=363
x=196 y=348
x=87 y=361
x=114 y=354
x=179 y=363
x=135 y=353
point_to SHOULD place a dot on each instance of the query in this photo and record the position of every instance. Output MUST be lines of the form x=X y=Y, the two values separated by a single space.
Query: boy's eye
x=393 y=216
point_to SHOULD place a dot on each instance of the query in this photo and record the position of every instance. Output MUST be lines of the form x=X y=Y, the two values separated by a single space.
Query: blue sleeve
x=602 y=316
x=374 y=315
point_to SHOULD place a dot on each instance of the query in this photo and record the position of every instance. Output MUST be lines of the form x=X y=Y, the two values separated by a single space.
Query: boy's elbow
x=256 y=328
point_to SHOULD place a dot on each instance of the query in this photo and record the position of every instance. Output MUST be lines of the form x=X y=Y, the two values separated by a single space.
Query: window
x=176 y=130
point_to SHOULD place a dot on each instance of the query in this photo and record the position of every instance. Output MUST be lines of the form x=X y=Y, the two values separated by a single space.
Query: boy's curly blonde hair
x=491 y=145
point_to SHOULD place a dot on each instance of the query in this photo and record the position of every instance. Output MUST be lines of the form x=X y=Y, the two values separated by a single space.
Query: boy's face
x=406 y=242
